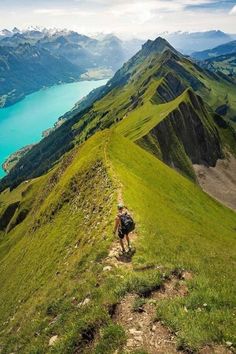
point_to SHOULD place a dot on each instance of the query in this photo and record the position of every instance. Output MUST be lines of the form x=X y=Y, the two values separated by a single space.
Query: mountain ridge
x=135 y=85
x=76 y=199
x=63 y=281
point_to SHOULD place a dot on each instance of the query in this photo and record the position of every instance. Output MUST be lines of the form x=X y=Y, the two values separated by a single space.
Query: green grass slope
x=53 y=254
x=181 y=132
x=179 y=227
x=150 y=82
x=52 y=260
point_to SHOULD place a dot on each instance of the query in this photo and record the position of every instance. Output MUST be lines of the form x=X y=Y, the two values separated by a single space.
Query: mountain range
x=153 y=137
x=27 y=68
x=227 y=48
x=223 y=63
x=74 y=56
x=188 y=42
x=174 y=74
x=221 y=59
x=70 y=56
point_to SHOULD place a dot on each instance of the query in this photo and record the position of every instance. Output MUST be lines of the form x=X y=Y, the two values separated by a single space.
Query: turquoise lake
x=23 y=123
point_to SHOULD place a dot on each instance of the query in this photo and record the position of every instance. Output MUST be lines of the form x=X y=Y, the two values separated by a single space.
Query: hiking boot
x=122 y=253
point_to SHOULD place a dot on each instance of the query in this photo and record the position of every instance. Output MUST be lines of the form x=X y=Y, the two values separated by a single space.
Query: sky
x=127 y=18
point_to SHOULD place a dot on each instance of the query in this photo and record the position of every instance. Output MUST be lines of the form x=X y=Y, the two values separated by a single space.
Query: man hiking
x=124 y=224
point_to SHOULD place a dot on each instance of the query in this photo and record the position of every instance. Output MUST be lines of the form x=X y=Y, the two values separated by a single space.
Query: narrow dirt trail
x=114 y=257
x=142 y=329
x=138 y=316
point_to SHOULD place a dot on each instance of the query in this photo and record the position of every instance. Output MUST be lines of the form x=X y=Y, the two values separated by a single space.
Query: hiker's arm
x=117 y=221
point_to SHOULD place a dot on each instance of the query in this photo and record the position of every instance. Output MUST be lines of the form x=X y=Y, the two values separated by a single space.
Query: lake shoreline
x=12 y=160
x=84 y=77
x=28 y=121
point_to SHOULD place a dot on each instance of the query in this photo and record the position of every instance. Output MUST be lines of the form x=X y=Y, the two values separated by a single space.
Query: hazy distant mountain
x=93 y=58
x=5 y=33
x=228 y=48
x=34 y=58
x=26 y=68
x=107 y=51
x=187 y=42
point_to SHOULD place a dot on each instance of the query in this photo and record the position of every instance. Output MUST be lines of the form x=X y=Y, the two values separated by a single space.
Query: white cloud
x=233 y=10
x=141 y=12
x=61 y=12
x=141 y=18
x=54 y=12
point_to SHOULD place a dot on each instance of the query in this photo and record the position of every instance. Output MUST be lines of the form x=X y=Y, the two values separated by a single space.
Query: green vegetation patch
x=179 y=226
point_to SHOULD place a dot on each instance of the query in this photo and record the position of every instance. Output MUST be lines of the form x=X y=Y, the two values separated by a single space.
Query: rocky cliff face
x=170 y=88
x=186 y=136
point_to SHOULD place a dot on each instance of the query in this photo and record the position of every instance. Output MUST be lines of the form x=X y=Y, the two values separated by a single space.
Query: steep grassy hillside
x=186 y=134
x=178 y=227
x=148 y=83
x=52 y=262
x=53 y=255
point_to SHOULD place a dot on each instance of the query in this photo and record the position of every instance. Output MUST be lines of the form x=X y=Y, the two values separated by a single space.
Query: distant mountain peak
x=159 y=45
x=15 y=30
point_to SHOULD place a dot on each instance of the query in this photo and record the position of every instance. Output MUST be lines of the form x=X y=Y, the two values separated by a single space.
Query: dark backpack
x=127 y=223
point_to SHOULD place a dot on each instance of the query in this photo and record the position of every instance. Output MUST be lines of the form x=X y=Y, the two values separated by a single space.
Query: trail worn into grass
x=138 y=316
x=142 y=328
x=144 y=331
x=116 y=259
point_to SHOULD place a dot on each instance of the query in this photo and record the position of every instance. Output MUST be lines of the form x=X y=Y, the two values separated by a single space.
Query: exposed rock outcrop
x=170 y=88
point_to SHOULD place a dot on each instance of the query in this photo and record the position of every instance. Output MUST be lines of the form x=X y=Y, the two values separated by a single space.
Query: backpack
x=127 y=223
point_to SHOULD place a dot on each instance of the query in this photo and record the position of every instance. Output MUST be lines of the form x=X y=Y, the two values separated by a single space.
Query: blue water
x=23 y=123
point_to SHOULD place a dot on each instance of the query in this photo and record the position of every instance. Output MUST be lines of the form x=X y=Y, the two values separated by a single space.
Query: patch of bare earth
x=142 y=328
x=116 y=258
x=175 y=285
x=219 y=181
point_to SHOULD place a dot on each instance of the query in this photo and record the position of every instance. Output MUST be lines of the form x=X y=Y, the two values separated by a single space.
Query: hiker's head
x=120 y=206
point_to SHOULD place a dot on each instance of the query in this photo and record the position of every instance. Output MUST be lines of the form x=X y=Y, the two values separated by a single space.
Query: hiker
x=124 y=224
